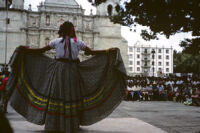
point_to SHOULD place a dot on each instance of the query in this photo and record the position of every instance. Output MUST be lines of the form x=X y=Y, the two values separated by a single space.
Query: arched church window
x=47 y=41
x=47 y=20
x=109 y=9
x=117 y=8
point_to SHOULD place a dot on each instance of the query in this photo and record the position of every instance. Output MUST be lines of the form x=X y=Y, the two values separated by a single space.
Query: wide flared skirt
x=64 y=95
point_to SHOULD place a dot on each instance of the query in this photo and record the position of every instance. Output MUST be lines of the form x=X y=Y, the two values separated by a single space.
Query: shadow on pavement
x=81 y=131
x=96 y=131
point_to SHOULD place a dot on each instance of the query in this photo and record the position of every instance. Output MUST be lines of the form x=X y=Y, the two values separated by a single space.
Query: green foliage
x=191 y=46
x=166 y=17
x=186 y=63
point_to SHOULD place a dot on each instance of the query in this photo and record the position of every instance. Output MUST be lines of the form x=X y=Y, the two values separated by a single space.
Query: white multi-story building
x=150 y=61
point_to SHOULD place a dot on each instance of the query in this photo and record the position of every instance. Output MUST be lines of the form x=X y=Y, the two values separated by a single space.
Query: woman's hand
x=113 y=49
x=88 y=51
x=22 y=48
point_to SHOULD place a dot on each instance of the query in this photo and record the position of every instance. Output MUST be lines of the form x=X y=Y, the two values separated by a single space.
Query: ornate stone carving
x=75 y=21
x=88 y=41
x=88 y=25
x=47 y=40
x=47 y=20
x=34 y=21
x=33 y=41
x=60 y=21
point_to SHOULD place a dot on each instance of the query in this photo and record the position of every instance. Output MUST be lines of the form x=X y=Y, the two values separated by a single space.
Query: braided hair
x=67 y=29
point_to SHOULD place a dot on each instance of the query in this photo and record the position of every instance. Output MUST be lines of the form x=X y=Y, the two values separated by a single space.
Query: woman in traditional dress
x=65 y=93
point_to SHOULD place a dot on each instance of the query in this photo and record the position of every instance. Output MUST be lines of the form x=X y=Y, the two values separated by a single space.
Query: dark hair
x=67 y=29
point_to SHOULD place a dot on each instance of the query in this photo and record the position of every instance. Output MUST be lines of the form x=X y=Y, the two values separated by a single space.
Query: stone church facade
x=37 y=28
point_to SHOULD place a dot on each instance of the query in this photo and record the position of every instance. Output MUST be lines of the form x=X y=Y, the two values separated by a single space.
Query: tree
x=165 y=17
x=191 y=46
x=186 y=63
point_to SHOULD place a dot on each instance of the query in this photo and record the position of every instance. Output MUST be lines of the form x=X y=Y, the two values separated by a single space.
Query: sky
x=130 y=36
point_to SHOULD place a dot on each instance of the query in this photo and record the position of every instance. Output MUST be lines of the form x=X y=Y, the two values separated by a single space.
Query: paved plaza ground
x=169 y=116
x=132 y=117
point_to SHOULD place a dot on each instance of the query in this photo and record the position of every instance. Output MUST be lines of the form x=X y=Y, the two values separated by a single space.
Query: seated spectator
x=144 y=93
x=188 y=100
x=168 y=88
x=155 y=92
x=162 y=93
x=136 y=90
x=130 y=91
x=150 y=91
x=196 y=97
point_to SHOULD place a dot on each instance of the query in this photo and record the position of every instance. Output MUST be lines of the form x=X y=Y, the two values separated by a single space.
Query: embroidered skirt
x=64 y=95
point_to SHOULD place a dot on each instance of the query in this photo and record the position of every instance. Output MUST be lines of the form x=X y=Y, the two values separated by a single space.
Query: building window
x=167 y=69
x=159 y=63
x=47 y=20
x=109 y=9
x=153 y=69
x=167 y=51
x=138 y=56
x=130 y=68
x=160 y=69
x=159 y=50
x=138 y=69
x=145 y=50
x=117 y=7
x=167 y=57
x=153 y=56
x=153 y=63
x=130 y=49
x=131 y=62
x=130 y=55
x=138 y=62
x=138 y=49
x=167 y=63
x=159 y=57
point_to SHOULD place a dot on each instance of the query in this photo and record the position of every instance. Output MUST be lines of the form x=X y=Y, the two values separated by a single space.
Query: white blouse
x=58 y=45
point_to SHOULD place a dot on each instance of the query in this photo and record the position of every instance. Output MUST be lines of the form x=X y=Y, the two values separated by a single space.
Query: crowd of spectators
x=4 y=73
x=185 y=89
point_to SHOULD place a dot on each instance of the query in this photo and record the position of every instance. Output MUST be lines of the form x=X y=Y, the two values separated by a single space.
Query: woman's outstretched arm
x=89 y=51
x=35 y=50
